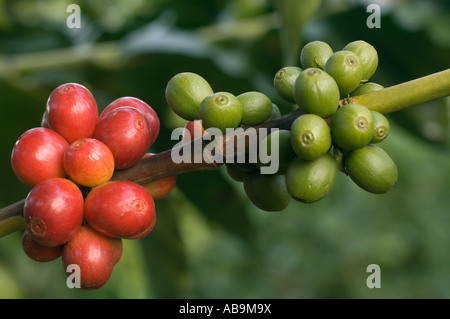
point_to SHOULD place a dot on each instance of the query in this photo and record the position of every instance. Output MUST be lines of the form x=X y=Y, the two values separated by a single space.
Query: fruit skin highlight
x=310 y=136
x=72 y=111
x=119 y=209
x=148 y=112
x=367 y=55
x=38 y=155
x=372 y=169
x=221 y=110
x=126 y=133
x=310 y=181
x=352 y=126
x=316 y=92
x=89 y=162
x=184 y=93
x=346 y=69
x=256 y=108
x=53 y=211
x=93 y=253
x=315 y=54
x=267 y=191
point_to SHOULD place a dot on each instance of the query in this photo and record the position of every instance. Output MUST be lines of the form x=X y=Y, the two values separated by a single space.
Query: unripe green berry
x=310 y=136
x=316 y=92
x=366 y=88
x=284 y=81
x=184 y=93
x=380 y=127
x=339 y=155
x=220 y=110
x=367 y=55
x=310 y=181
x=346 y=69
x=275 y=112
x=315 y=54
x=372 y=169
x=283 y=147
x=267 y=191
x=238 y=171
x=256 y=108
x=352 y=126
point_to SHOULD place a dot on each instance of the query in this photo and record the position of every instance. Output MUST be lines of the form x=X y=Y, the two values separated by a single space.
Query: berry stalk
x=160 y=165
x=407 y=94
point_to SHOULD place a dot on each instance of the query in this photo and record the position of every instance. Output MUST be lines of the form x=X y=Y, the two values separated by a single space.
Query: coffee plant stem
x=156 y=167
x=407 y=94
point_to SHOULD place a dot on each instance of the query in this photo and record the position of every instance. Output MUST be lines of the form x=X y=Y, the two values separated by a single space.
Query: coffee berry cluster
x=332 y=134
x=74 y=210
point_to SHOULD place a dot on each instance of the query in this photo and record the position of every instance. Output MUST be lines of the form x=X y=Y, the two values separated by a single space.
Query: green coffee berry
x=352 y=126
x=221 y=110
x=315 y=54
x=367 y=55
x=339 y=155
x=256 y=108
x=238 y=171
x=284 y=82
x=283 y=147
x=310 y=181
x=380 y=127
x=366 y=88
x=316 y=92
x=346 y=69
x=275 y=112
x=372 y=169
x=184 y=93
x=267 y=191
x=310 y=136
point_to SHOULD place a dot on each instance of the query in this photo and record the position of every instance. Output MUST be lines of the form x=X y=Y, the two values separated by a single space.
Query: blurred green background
x=210 y=241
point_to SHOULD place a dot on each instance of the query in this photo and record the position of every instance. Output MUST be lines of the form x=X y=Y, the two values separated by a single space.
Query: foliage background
x=210 y=241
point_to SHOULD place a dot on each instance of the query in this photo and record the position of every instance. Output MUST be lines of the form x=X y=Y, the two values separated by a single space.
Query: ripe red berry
x=192 y=130
x=72 y=111
x=162 y=187
x=38 y=252
x=93 y=253
x=53 y=211
x=89 y=162
x=147 y=111
x=145 y=232
x=126 y=132
x=119 y=209
x=38 y=155
x=117 y=248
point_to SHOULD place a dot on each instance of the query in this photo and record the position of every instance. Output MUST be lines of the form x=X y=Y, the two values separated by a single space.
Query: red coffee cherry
x=53 y=211
x=89 y=162
x=93 y=253
x=119 y=209
x=72 y=112
x=147 y=231
x=126 y=132
x=117 y=248
x=38 y=252
x=38 y=155
x=162 y=187
x=147 y=111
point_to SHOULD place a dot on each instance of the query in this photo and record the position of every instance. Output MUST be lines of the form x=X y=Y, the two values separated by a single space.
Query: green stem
x=407 y=94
